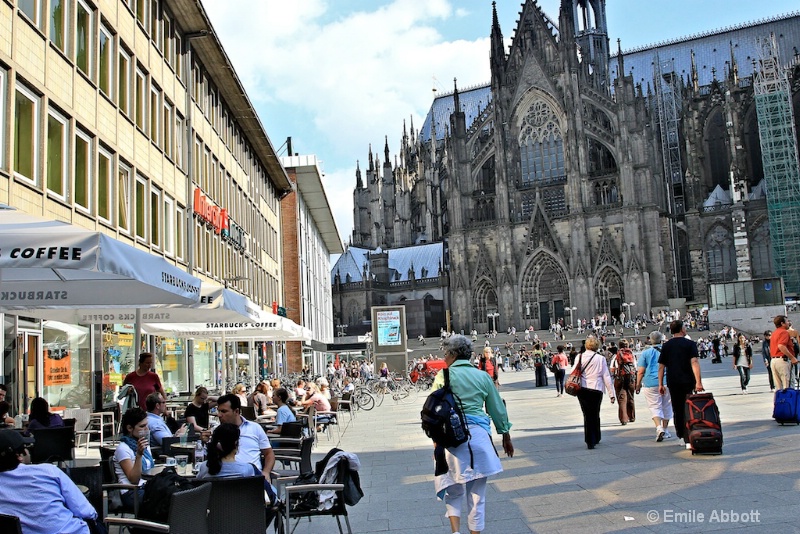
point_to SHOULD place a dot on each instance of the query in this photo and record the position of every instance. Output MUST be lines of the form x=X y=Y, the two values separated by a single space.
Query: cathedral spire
x=620 y=60
x=359 y=182
x=371 y=163
x=386 y=151
x=695 y=84
x=734 y=73
x=413 y=134
x=456 y=99
x=498 y=55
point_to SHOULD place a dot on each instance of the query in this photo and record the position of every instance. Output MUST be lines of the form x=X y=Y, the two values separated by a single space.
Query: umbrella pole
x=137 y=334
x=224 y=374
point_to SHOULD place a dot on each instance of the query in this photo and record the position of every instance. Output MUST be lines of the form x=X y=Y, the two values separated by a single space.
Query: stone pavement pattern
x=554 y=484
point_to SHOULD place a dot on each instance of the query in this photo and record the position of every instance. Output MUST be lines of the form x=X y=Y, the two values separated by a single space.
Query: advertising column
x=390 y=340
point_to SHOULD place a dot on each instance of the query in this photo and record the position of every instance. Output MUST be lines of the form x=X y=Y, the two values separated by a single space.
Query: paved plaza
x=554 y=484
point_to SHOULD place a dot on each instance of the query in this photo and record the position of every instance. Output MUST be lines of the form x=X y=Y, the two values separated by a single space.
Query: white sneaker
x=667 y=435
x=688 y=446
x=659 y=435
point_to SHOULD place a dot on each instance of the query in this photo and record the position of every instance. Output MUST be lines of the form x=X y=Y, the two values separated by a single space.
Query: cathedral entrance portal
x=545 y=284
x=616 y=307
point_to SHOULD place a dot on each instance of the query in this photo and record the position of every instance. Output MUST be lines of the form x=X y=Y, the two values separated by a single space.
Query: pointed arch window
x=541 y=147
x=720 y=255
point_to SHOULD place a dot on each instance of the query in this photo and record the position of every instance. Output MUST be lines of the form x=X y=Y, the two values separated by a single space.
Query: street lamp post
x=493 y=324
x=342 y=328
x=628 y=305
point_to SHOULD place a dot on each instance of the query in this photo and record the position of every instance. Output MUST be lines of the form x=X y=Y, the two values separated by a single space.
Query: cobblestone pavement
x=554 y=484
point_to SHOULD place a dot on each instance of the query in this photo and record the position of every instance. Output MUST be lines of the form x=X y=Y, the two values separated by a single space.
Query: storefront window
x=204 y=356
x=119 y=358
x=10 y=356
x=171 y=354
x=67 y=365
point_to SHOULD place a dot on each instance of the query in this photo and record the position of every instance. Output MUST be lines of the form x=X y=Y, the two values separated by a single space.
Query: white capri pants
x=659 y=405
x=476 y=502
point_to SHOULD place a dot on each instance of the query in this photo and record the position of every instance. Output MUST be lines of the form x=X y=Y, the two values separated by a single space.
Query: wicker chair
x=188 y=514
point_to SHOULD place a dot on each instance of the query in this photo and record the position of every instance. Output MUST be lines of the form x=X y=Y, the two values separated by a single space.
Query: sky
x=339 y=75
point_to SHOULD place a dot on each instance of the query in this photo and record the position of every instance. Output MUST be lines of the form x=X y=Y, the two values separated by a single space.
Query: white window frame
x=167 y=128
x=3 y=93
x=65 y=23
x=177 y=48
x=37 y=13
x=169 y=43
x=144 y=6
x=89 y=170
x=154 y=115
x=180 y=232
x=37 y=110
x=90 y=39
x=65 y=155
x=145 y=99
x=156 y=29
x=111 y=178
x=156 y=235
x=112 y=56
x=145 y=216
x=123 y=198
x=125 y=107
x=168 y=225
x=179 y=137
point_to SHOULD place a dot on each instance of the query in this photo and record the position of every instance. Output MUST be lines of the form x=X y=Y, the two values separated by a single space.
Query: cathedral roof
x=401 y=260
x=473 y=101
x=718 y=196
x=759 y=191
x=713 y=50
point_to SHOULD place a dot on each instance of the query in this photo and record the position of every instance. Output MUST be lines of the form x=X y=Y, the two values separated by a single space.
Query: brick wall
x=290 y=233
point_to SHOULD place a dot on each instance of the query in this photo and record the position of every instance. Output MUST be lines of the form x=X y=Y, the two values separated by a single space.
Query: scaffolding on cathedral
x=779 y=155
x=668 y=106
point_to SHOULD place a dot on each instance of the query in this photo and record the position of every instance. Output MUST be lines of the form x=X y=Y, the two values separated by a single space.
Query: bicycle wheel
x=365 y=401
x=411 y=394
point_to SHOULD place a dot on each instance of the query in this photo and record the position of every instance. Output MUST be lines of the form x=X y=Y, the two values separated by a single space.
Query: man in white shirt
x=253 y=441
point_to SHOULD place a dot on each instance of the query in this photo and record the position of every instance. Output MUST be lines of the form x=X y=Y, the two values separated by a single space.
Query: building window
x=26 y=134
x=32 y=9
x=105 y=185
x=720 y=255
x=3 y=79
x=178 y=47
x=142 y=14
x=155 y=113
x=180 y=233
x=84 y=33
x=140 y=113
x=169 y=50
x=57 y=154
x=59 y=15
x=124 y=85
x=179 y=133
x=140 y=197
x=155 y=216
x=541 y=146
x=106 y=59
x=155 y=28
x=166 y=134
x=169 y=225
x=124 y=198
x=82 y=195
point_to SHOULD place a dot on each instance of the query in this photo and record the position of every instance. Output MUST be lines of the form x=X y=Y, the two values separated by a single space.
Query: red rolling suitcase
x=703 y=425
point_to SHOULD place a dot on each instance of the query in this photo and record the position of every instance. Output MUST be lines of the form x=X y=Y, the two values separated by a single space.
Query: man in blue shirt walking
x=660 y=406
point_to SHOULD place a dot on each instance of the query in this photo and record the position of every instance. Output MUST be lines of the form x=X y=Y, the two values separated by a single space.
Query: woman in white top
x=132 y=456
x=595 y=380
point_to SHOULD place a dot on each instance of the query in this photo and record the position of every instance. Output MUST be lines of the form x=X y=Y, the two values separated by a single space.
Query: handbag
x=573 y=383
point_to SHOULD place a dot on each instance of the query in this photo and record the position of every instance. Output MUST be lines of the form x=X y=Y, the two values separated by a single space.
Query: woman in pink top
x=315 y=398
x=595 y=380
x=559 y=363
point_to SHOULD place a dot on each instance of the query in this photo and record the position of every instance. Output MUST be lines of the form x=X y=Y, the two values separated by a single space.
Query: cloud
x=345 y=78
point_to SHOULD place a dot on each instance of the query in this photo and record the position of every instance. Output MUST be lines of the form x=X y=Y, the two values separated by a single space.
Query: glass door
x=28 y=368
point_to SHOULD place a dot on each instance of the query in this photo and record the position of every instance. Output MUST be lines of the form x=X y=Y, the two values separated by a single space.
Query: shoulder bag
x=573 y=383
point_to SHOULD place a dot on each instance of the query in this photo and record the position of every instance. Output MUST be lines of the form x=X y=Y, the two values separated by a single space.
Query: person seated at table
x=6 y=419
x=132 y=456
x=41 y=417
x=221 y=460
x=42 y=496
x=324 y=387
x=156 y=406
x=349 y=387
x=315 y=398
x=285 y=414
x=259 y=399
x=300 y=391
x=196 y=413
x=240 y=391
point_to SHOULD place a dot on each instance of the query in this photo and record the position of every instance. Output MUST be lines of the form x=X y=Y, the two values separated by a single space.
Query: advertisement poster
x=388 y=328
x=57 y=371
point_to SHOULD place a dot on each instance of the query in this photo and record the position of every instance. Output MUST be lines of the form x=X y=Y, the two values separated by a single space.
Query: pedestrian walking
x=767 y=359
x=743 y=361
x=559 y=364
x=660 y=405
x=595 y=380
x=678 y=363
x=469 y=465
x=623 y=369
x=782 y=352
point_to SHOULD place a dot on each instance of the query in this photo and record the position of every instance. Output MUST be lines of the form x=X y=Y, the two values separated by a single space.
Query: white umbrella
x=51 y=264
x=272 y=328
x=216 y=304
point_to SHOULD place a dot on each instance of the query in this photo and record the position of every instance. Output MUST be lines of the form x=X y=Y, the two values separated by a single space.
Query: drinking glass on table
x=182 y=460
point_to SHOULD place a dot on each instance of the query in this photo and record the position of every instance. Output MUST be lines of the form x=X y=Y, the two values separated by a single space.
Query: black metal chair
x=249 y=413
x=113 y=489
x=10 y=524
x=237 y=505
x=53 y=445
x=297 y=458
x=337 y=510
x=188 y=514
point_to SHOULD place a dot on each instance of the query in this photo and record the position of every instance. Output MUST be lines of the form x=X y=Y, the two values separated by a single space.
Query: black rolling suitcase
x=703 y=425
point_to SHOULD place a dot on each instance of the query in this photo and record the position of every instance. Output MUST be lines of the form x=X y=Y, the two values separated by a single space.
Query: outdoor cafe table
x=153 y=471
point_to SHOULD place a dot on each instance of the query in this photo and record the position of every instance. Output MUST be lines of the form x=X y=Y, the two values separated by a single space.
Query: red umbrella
x=336 y=363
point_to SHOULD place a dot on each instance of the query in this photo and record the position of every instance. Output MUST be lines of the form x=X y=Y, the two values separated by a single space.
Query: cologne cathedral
x=583 y=179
